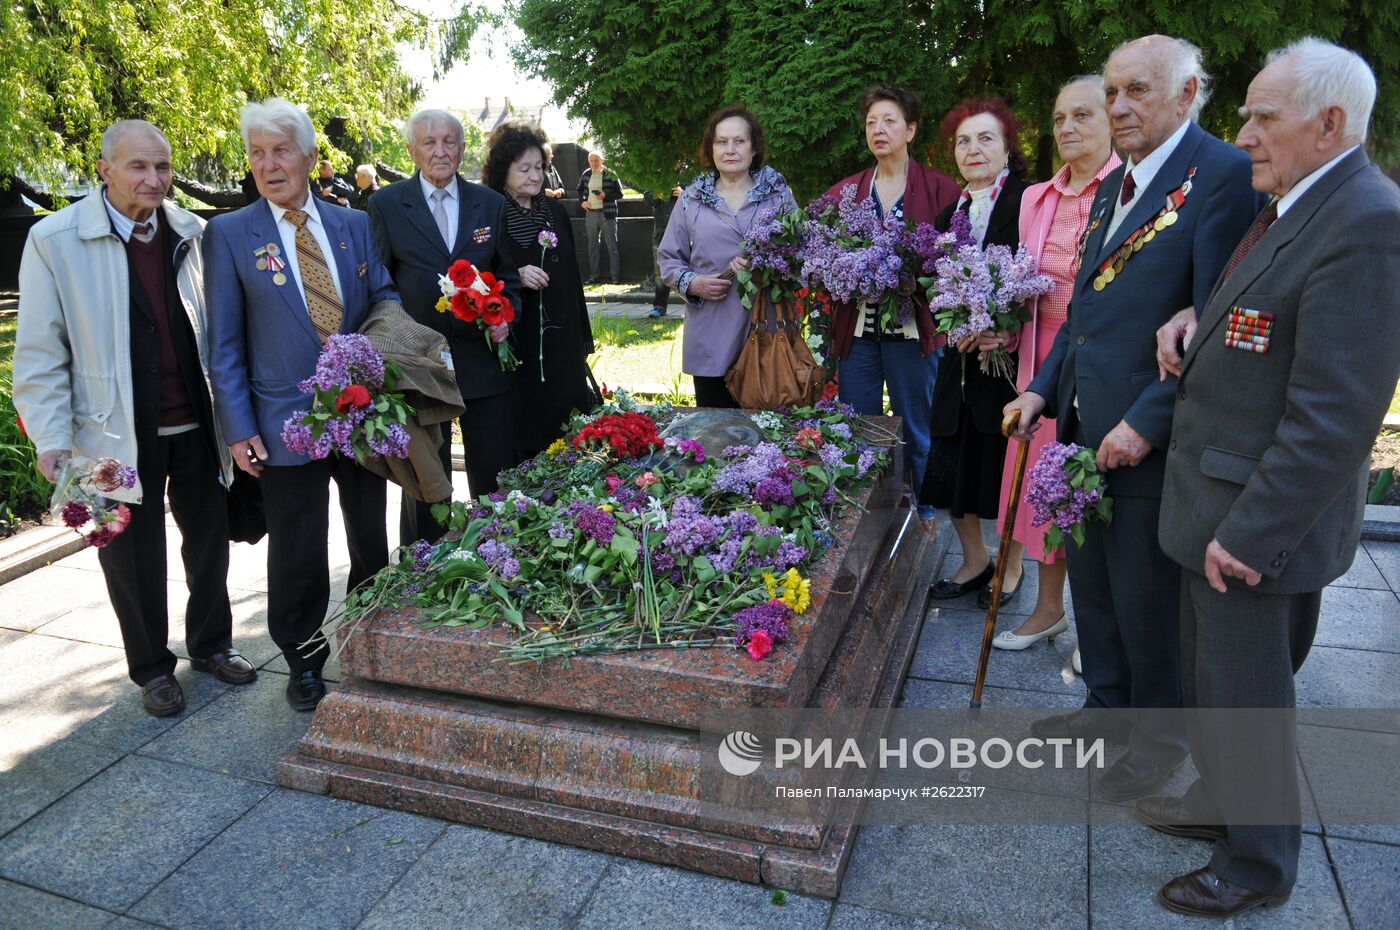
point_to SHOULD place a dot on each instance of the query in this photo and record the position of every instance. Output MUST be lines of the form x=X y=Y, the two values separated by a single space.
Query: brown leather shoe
x=1171 y=816
x=1202 y=893
x=228 y=666
x=162 y=696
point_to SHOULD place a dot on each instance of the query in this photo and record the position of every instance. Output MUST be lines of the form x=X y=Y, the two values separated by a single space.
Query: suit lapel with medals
x=469 y=219
x=262 y=233
x=1261 y=256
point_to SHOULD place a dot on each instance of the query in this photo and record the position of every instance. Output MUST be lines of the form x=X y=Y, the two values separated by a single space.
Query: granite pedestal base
x=607 y=753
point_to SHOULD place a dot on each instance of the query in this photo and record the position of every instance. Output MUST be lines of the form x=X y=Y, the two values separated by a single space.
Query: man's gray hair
x=1183 y=64
x=1327 y=75
x=279 y=116
x=122 y=128
x=1094 y=79
x=431 y=116
x=367 y=171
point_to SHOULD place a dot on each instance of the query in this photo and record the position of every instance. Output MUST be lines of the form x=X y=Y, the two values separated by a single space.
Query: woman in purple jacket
x=704 y=238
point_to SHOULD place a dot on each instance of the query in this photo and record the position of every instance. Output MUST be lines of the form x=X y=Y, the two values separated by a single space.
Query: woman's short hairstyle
x=507 y=144
x=1010 y=128
x=278 y=116
x=706 y=151
x=909 y=103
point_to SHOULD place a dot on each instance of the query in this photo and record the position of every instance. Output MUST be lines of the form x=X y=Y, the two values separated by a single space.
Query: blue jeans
x=871 y=366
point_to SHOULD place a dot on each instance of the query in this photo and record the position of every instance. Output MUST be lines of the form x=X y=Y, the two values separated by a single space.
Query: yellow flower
x=606 y=508
x=797 y=591
x=443 y=305
x=772 y=584
x=556 y=447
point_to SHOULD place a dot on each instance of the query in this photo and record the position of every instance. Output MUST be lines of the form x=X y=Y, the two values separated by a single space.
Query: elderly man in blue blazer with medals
x=282 y=275
x=422 y=225
x=1162 y=226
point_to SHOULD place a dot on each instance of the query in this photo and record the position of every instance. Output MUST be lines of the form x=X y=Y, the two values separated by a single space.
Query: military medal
x=1249 y=330
x=262 y=264
x=279 y=279
x=1084 y=241
x=1113 y=266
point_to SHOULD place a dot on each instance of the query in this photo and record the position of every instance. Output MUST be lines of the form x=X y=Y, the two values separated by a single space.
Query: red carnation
x=760 y=644
x=355 y=395
x=462 y=273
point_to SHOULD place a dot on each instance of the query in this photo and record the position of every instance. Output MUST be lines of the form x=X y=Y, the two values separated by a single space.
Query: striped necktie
x=322 y=302
x=1252 y=235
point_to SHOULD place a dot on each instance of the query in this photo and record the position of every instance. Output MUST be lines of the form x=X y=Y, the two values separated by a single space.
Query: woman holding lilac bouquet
x=1054 y=215
x=901 y=355
x=552 y=335
x=967 y=449
x=701 y=250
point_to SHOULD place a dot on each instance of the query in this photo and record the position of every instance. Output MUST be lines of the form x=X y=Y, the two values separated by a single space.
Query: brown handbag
x=774 y=368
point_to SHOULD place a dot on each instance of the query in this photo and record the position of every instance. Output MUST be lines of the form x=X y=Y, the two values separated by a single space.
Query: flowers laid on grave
x=974 y=290
x=622 y=539
x=80 y=501
x=354 y=411
x=474 y=296
x=1066 y=490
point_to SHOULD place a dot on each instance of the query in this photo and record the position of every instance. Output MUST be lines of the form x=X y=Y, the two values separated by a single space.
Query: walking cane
x=1008 y=425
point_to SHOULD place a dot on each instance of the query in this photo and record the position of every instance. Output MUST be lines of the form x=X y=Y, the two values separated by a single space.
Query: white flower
x=464 y=555
x=767 y=420
x=446 y=286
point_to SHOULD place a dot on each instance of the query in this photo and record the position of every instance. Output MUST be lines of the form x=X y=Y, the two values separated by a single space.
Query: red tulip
x=356 y=395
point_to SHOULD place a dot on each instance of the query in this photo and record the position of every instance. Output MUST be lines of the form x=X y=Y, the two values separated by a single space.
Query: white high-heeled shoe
x=1009 y=640
x=1075 y=664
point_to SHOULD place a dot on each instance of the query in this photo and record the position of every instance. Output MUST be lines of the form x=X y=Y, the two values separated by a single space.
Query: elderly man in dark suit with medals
x=1267 y=468
x=1162 y=227
x=422 y=225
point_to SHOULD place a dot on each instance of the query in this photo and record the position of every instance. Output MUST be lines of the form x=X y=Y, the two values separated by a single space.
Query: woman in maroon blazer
x=904 y=359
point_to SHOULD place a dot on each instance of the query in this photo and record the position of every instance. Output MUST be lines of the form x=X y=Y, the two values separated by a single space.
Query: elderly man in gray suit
x=1280 y=394
x=1161 y=228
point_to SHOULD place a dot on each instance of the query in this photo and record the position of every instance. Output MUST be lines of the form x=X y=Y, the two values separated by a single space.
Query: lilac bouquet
x=1067 y=491
x=354 y=411
x=774 y=248
x=854 y=256
x=974 y=290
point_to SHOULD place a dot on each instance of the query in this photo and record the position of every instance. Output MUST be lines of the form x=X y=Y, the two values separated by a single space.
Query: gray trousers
x=1241 y=650
x=597 y=223
x=1125 y=610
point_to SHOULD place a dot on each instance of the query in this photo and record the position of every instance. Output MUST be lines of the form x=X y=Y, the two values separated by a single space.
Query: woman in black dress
x=552 y=335
x=967 y=448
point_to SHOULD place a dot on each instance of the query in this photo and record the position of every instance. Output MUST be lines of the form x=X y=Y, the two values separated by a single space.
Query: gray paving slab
x=1355 y=777
x=1370 y=877
x=9 y=636
x=111 y=840
x=124 y=724
x=49 y=687
x=952 y=640
x=1363 y=573
x=1386 y=556
x=1007 y=877
x=30 y=782
x=246 y=732
x=126 y=923
x=1131 y=862
x=36 y=598
x=24 y=908
x=1333 y=677
x=853 y=917
x=1358 y=618
x=474 y=879
x=641 y=896
x=295 y=860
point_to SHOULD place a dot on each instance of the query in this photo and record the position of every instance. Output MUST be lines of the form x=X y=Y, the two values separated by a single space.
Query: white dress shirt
x=449 y=203
x=125 y=225
x=1301 y=188
x=1143 y=173
x=288 y=231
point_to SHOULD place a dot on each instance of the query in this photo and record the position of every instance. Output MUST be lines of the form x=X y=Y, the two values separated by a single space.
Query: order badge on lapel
x=1249 y=330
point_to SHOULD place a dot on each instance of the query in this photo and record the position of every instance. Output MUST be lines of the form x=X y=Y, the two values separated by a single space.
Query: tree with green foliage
x=645 y=73
x=72 y=67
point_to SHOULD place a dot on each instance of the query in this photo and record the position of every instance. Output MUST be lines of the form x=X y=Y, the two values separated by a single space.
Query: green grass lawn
x=8 y=325
x=643 y=356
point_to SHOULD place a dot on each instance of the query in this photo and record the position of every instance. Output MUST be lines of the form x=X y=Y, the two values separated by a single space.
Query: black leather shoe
x=984 y=597
x=945 y=588
x=1171 y=816
x=1202 y=893
x=1133 y=776
x=305 y=691
x=1077 y=724
x=228 y=666
x=163 y=696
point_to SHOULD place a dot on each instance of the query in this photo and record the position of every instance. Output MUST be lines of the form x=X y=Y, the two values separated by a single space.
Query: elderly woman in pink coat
x=1053 y=216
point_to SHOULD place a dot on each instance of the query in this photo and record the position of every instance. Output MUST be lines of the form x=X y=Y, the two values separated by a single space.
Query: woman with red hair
x=966 y=448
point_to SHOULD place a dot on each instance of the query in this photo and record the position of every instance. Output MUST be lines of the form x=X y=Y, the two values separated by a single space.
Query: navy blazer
x=261 y=340
x=1106 y=354
x=412 y=249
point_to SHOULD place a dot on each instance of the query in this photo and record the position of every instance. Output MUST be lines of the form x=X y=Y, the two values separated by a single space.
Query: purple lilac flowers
x=1066 y=490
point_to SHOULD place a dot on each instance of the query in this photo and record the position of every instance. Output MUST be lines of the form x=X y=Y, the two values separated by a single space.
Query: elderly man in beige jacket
x=110 y=362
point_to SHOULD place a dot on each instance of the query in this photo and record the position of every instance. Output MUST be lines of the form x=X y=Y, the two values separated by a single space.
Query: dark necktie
x=1252 y=235
x=142 y=232
x=1129 y=188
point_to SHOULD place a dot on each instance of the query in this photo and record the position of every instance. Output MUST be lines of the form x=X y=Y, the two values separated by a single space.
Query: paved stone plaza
x=113 y=819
